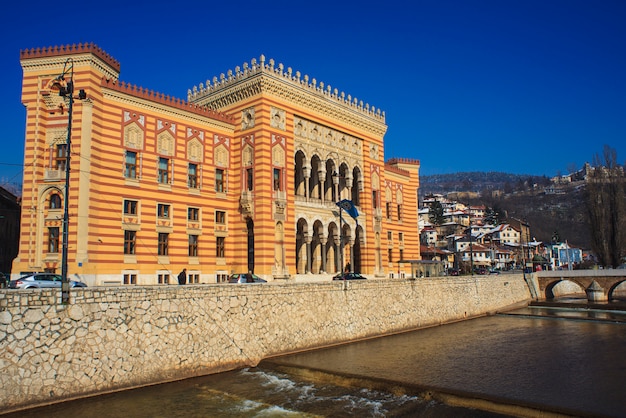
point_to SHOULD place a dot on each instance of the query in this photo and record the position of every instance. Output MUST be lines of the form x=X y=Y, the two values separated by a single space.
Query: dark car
x=349 y=276
x=480 y=271
x=41 y=281
x=453 y=272
x=241 y=278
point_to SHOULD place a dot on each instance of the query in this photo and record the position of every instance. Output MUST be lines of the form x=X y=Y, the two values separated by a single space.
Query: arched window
x=55 y=201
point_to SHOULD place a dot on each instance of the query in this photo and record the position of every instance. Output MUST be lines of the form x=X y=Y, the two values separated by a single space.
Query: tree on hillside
x=494 y=215
x=435 y=213
x=606 y=208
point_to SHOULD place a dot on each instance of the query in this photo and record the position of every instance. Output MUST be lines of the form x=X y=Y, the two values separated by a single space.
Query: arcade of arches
x=318 y=185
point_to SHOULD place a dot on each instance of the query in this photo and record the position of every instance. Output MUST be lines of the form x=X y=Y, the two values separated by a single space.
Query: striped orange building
x=243 y=175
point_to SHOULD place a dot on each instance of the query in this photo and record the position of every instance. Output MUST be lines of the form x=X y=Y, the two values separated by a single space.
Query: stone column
x=322 y=181
x=308 y=254
x=349 y=186
x=306 y=170
x=337 y=243
x=323 y=242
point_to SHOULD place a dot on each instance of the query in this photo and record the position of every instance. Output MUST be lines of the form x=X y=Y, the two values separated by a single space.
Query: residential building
x=9 y=229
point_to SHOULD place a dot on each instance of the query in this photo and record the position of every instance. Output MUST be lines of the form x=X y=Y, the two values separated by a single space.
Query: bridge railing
x=582 y=273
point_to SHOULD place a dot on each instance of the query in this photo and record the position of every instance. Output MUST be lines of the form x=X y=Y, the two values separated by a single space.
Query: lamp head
x=65 y=88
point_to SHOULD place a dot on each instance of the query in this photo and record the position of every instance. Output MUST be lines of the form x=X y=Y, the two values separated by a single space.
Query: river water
x=560 y=360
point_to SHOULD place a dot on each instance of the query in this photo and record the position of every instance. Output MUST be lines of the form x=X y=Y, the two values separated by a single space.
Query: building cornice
x=155 y=102
x=266 y=78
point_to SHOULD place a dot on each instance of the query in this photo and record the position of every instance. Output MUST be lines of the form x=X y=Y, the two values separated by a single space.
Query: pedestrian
x=182 y=277
x=249 y=278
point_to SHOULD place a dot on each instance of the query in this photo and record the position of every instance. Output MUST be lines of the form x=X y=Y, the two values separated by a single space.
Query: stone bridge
x=599 y=285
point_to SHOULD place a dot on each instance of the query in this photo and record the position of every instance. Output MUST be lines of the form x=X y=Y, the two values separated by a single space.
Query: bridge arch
x=550 y=285
x=615 y=286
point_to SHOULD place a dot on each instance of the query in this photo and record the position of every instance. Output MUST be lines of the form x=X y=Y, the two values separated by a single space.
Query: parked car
x=349 y=276
x=42 y=280
x=241 y=278
x=453 y=272
x=494 y=271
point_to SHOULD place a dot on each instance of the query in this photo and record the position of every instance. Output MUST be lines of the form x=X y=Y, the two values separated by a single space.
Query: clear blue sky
x=527 y=87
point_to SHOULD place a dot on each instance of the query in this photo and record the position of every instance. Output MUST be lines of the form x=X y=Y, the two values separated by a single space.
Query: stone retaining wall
x=119 y=337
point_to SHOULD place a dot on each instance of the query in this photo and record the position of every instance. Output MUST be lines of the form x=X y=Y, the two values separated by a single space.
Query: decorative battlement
x=396 y=161
x=197 y=93
x=74 y=49
x=153 y=96
x=393 y=165
x=397 y=170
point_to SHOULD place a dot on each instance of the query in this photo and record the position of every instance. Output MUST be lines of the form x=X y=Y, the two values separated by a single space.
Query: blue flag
x=349 y=207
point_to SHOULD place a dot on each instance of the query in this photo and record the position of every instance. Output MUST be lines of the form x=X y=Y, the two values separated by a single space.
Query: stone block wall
x=113 y=338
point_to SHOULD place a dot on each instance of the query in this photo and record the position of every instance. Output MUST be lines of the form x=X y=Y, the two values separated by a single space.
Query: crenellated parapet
x=396 y=161
x=394 y=169
x=257 y=76
x=74 y=49
x=161 y=98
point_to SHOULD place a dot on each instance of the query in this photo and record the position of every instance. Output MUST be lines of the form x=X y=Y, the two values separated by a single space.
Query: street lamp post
x=66 y=90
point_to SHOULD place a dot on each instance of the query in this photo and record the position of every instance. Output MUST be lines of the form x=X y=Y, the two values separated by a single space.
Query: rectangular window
x=192 y=176
x=401 y=254
x=163 y=243
x=163 y=278
x=399 y=212
x=249 y=179
x=60 y=159
x=129 y=242
x=53 y=239
x=220 y=247
x=221 y=277
x=388 y=210
x=390 y=255
x=401 y=237
x=194 y=278
x=193 y=245
x=130 y=171
x=163 y=171
x=130 y=207
x=163 y=210
x=193 y=214
x=277 y=182
x=130 y=279
x=375 y=199
x=219 y=180
x=389 y=236
x=220 y=217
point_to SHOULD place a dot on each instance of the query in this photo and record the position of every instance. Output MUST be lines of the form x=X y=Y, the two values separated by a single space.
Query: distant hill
x=476 y=181
x=534 y=199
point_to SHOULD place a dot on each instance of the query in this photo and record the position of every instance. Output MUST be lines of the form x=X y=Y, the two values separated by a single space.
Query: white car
x=41 y=281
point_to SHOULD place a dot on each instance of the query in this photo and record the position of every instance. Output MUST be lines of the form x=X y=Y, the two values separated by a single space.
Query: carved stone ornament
x=277 y=118
x=194 y=150
x=133 y=137
x=247 y=118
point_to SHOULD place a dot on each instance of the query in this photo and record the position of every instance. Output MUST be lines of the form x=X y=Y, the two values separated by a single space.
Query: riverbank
x=111 y=339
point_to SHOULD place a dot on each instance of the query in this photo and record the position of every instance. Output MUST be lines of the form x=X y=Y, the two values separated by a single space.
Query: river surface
x=566 y=360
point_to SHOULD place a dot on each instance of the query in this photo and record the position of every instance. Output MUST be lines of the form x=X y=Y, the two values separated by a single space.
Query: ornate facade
x=244 y=175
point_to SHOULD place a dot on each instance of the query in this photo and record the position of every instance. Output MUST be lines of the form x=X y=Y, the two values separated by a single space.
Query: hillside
x=522 y=197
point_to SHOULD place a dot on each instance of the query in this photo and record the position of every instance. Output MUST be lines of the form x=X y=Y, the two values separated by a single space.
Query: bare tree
x=606 y=208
